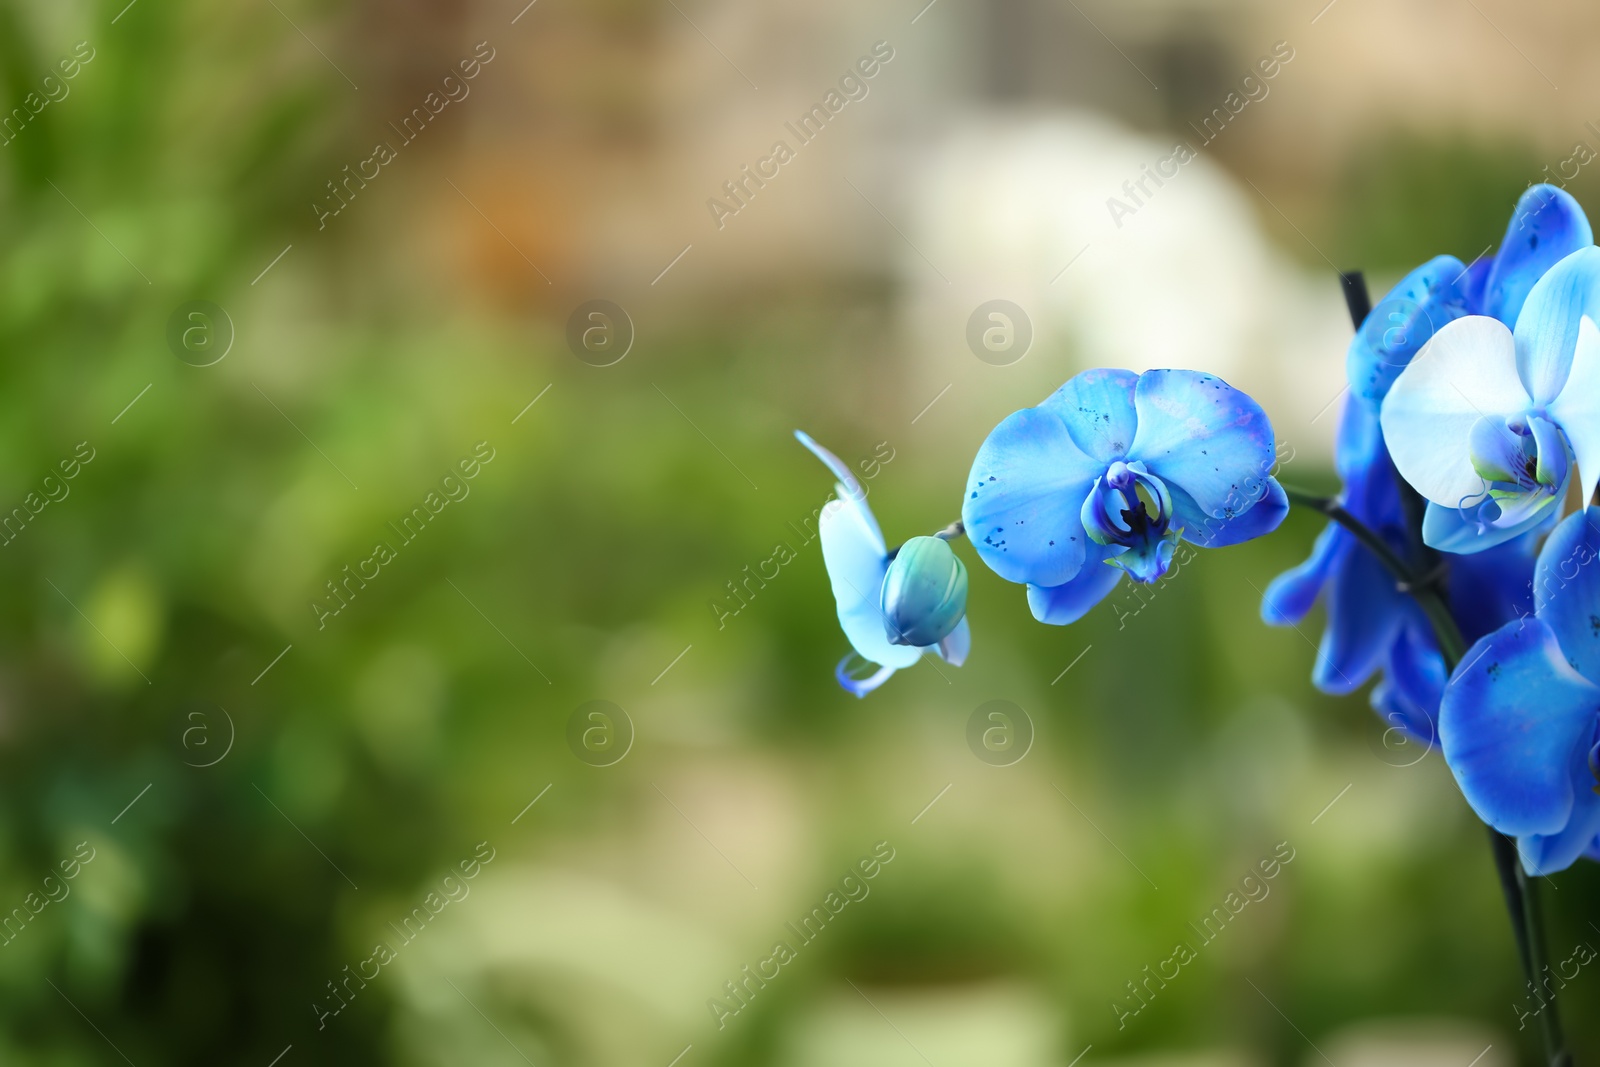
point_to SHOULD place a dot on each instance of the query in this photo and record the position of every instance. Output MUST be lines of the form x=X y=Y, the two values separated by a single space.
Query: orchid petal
x=1402 y=322
x=1071 y=601
x=1199 y=434
x=1457 y=531
x=956 y=645
x=1292 y=594
x=1359 y=442
x=841 y=470
x=1489 y=589
x=1566 y=589
x=1577 y=407
x=1466 y=373
x=1546 y=227
x=1547 y=328
x=1024 y=495
x=860 y=686
x=1553 y=464
x=1476 y=283
x=1365 y=612
x=1261 y=518
x=857 y=560
x=1548 y=854
x=1414 y=679
x=1098 y=411
x=1509 y=723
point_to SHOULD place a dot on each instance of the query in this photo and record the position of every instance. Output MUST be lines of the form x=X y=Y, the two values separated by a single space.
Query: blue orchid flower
x=1486 y=422
x=1103 y=478
x=1546 y=227
x=890 y=622
x=1520 y=720
x=1372 y=624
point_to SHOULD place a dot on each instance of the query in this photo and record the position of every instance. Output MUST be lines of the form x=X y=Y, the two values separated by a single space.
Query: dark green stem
x=1422 y=588
x=1555 y=1046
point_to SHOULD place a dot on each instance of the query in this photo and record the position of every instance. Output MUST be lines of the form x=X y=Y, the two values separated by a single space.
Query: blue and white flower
x=1103 y=478
x=893 y=610
x=1487 y=422
x=1546 y=227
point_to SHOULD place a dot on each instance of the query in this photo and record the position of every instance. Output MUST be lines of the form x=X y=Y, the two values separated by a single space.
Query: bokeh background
x=268 y=790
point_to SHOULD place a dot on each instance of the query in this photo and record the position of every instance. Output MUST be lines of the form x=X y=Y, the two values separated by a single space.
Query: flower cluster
x=893 y=606
x=1474 y=400
x=1474 y=411
x=1097 y=483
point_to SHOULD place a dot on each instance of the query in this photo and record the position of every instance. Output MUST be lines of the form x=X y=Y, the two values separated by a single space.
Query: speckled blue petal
x=1402 y=322
x=1547 y=330
x=1264 y=516
x=1199 y=434
x=1067 y=603
x=1097 y=408
x=1024 y=497
x=1510 y=723
x=1566 y=589
x=1547 y=226
x=1476 y=283
x=1292 y=594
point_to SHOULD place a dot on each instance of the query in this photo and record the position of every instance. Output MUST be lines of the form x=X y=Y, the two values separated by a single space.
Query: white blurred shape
x=1016 y=206
x=998 y=1024
x=1416 y=1043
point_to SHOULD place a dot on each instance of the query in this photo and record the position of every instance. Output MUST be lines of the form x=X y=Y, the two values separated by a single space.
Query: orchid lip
x=1130 y=511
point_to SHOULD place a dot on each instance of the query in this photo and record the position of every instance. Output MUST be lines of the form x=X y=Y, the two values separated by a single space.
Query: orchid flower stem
x=1555 y=1045
x=1422 y=588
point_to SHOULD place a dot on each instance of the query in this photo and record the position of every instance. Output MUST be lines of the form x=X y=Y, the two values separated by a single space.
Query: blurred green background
x=266 y=798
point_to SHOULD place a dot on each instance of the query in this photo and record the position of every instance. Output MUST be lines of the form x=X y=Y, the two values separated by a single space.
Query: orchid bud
x=924 y=593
